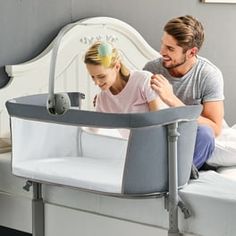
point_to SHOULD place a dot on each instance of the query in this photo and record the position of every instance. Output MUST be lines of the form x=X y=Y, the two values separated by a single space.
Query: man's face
x=173 y=55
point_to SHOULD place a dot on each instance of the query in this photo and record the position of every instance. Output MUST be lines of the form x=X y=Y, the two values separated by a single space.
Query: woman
x=122 y=90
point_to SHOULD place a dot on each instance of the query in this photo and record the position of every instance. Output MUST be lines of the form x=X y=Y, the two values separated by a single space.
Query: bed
x=68 y=211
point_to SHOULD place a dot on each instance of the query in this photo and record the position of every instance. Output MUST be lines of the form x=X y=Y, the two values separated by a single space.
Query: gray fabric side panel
x=31 y=107
x=146 y=168
x=186 y=144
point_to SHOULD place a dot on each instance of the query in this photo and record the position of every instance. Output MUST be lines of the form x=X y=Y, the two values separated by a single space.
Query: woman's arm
x=154 y=104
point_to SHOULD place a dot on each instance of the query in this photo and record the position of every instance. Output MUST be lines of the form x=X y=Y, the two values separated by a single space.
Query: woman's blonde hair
x=96 y=56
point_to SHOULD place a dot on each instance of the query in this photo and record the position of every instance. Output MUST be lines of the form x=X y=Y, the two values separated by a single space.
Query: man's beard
x=173 y=66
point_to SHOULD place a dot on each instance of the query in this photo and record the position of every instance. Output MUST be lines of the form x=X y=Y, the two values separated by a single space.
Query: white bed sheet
x=8 y=182
x=213 y=202
x=14 y=201
x=228 y=172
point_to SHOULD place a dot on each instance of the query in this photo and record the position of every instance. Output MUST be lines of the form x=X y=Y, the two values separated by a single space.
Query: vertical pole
x=37 y=210
x=173 y=179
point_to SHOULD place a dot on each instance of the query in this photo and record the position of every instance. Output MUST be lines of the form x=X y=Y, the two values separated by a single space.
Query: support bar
x=37 y=211
x=173 y=179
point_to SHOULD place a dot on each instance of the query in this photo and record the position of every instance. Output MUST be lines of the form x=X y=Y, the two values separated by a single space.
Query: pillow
x=225 y=150
x=5 y=145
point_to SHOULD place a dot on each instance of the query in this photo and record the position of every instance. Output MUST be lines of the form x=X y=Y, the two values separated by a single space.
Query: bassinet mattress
x=98 y=174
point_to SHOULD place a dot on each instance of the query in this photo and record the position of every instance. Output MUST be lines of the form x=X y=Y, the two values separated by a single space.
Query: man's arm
x=212 y=115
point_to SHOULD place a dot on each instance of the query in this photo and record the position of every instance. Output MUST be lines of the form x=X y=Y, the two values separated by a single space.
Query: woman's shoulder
x=140 y=74
x=139 y=79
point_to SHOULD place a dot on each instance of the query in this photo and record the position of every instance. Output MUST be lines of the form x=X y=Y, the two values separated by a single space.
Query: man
x=181 y=77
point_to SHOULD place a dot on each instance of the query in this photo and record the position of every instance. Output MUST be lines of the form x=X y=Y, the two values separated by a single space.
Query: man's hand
x=164 y=89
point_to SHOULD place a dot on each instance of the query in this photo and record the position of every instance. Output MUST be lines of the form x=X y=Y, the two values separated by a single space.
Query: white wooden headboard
x=32 y=77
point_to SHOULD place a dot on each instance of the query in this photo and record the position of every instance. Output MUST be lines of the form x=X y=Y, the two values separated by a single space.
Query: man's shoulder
x=153 y=65
x=208 y=74
x=207 y=64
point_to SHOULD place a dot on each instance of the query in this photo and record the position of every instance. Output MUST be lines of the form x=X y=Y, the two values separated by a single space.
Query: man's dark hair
x=187 y=31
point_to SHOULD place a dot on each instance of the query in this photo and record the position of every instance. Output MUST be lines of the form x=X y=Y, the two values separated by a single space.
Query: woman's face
x=102 y=77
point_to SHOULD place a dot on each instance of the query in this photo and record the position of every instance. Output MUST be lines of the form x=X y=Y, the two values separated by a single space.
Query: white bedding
x=8 y=182
x=228 y=172
x=225 y=150
x=14 y=201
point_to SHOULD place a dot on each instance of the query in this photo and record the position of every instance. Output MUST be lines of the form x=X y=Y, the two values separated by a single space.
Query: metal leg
x=173 y=180
x=37 y=210
x=184 y=208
